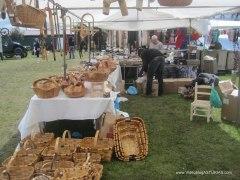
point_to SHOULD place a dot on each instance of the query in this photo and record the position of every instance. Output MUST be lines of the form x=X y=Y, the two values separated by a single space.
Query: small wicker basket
x=80 y=158
x=74 y=91
x=103 y=146
x=46 y=88
x=175 y=2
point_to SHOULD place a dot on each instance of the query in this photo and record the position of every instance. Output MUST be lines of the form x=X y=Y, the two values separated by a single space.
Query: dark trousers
x=156 y=68
x=37 y=53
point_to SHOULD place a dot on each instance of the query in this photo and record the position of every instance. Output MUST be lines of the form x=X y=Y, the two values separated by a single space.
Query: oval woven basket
x=29 y=16
x=130 y=139
x=80 y=158
x=174 y=2
x=15 y=160
x=97 y=76
x=46 y=88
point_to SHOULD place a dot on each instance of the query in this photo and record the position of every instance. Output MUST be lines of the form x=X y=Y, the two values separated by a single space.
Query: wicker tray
x=30 y=17
x=17 y=173
x=103 y=146
x=46 y=88
x=130 y=139
x=175 y=2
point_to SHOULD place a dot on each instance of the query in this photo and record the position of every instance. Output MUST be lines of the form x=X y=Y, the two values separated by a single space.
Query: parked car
x=12 y=48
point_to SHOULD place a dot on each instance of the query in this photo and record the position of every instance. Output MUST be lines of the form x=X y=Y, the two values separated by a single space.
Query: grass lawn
x=175 y=143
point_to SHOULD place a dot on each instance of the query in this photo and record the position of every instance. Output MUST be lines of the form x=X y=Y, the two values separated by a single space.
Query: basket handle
x=29 y=141
x=56 y=147
x=66 y=132
x=96 y=138
x=6 y=173
x=87 y=160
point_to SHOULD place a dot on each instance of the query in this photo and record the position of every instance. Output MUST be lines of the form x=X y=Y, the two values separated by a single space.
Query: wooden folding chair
x=200 y=107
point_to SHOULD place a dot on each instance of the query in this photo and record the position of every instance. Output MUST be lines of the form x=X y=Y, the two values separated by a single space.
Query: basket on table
x=75 y=91
x=46 y=88
x=57 y=79
x=48 y=167
x=102 y=146
x=109 y=64
x=17 y=173
x=63 y=151
x=174 y=2
x=29 y=16
x=96 y=75
x=130 y=139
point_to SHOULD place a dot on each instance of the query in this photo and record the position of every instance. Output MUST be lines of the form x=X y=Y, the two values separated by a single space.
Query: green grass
x=175 y=143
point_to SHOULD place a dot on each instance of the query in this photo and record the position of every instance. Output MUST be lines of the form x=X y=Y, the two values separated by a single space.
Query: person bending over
x=153 y=65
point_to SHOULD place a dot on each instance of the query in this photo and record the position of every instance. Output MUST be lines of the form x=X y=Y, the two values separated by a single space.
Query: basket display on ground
x=68 y=141
x=46 y=88
x=130 y=139
x=80 y=158
x=102 y=146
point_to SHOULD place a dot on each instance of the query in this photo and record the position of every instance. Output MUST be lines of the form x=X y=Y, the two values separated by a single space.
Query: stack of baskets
x=130 y=139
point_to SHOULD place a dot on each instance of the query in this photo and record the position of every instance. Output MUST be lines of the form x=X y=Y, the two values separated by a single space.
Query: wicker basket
x=29 y=16
x=62 y=151
x=97 y=76
x=130 y=138
x=42 y=139
x=68 y=141
x=80 y=158
x=75 y=91
x=174 y=2
x=48 y=167
x=103 y=146
x=16 y=160
x=46 y=88
x=17 y=173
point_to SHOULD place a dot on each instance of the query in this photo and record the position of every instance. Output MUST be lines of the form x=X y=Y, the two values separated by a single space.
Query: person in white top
x=155 y=43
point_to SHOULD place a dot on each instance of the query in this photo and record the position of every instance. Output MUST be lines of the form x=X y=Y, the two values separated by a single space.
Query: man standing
x=153 y=65
x=71 y=47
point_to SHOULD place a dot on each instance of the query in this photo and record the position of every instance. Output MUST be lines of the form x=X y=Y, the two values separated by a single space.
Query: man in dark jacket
x=153 y=65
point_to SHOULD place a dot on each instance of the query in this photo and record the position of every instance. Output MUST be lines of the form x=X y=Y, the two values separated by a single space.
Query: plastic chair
x=201 y=107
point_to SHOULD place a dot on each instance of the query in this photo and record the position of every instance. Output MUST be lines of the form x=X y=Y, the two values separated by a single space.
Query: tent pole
x=63 y=16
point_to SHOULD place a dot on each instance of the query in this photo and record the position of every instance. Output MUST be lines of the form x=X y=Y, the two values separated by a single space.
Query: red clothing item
x=195 y=36
x=179 y=40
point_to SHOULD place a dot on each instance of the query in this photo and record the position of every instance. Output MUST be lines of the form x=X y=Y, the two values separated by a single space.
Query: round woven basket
x=30 y=17
x=174 y=2
x=18 y=173
x=46 y=88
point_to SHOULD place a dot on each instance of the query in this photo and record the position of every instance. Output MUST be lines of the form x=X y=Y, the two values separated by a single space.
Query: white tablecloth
x=62 y=107
x=115 y=78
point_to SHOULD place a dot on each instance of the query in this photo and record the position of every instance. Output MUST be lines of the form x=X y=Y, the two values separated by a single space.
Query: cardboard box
x=229 y=96
x=154 y=88
x=172 y=85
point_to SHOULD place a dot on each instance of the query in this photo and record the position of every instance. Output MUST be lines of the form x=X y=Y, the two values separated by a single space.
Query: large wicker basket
x=175 y=2
x=46 y=88
x=102 y=146
x=68 y=141
x=29 y=16
x=16 y=160
x=17 y=173
x=130 y=139
x=80 y=158
x=97 y=76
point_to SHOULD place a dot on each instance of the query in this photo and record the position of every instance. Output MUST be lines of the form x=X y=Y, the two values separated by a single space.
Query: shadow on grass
x=8 y=149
